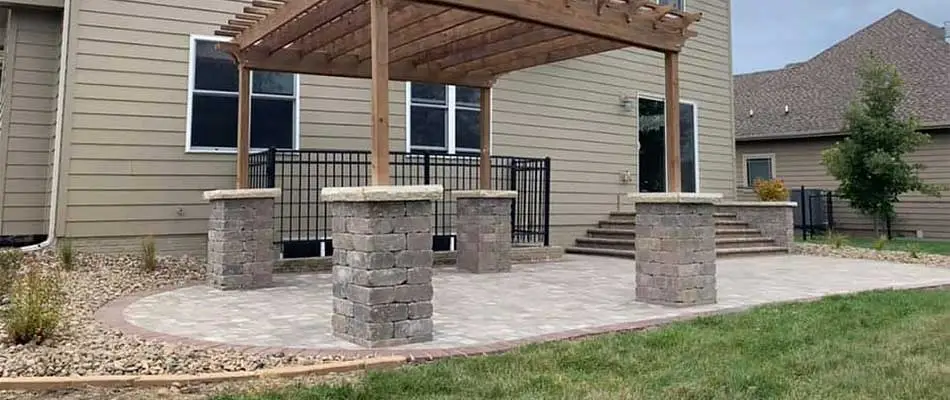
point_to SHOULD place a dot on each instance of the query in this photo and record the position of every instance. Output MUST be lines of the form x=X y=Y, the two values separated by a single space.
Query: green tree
x=869 y=164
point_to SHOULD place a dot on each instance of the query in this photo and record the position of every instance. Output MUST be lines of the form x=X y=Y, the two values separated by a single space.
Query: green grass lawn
x=881 y=345
x=899 y=244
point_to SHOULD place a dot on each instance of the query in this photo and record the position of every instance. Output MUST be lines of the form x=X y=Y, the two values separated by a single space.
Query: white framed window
x=652 y=146
x=678 y=4
x=213 y=103
x=758 y=166
x=443 y=118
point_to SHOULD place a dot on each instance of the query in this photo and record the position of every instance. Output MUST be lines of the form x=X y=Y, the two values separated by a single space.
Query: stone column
x=676 y=248
x=484 y=230
x=382 y=263
x=774 y=218
x=241 y=250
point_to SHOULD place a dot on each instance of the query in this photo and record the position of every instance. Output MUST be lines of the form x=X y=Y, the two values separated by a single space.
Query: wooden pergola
x=454 y=42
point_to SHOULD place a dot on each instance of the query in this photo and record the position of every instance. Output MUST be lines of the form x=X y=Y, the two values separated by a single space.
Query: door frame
x=666 y=172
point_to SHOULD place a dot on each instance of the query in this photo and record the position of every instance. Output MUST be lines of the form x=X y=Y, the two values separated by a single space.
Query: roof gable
x=819 y=91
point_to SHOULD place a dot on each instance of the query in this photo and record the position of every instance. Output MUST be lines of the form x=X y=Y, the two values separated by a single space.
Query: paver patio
x=540 y=301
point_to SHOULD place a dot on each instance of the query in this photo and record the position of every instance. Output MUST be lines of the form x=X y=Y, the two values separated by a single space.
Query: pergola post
x=674 y=180
x=244 y=126
x=379 y=44
x=484 y=173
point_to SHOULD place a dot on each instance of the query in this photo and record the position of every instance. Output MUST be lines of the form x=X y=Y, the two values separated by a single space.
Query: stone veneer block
x=676 y=248
x=382 y=263
x=241 y=250
x=484 y=230
x=774 y=218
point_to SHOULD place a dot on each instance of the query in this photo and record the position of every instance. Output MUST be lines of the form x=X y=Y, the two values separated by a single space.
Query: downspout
x=58 y=131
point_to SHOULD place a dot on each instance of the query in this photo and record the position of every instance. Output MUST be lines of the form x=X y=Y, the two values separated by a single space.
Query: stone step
x=725 y=215
x=616 y=224
x=751 y=251
x=611 y=233
x=599 y=243
x=601 y=252
x=742 y=242
x=737 y=232
x=733 y=223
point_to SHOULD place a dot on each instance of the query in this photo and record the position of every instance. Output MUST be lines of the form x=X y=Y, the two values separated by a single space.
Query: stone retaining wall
x=774 y=218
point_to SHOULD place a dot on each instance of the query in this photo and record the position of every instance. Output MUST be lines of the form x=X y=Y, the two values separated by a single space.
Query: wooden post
x=244 y=126
x=484 y=172
x=379 y=29
x=673 y=174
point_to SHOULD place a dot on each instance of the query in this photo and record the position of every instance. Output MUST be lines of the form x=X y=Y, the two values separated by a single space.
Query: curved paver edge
x=77 y=382
x=112 y=315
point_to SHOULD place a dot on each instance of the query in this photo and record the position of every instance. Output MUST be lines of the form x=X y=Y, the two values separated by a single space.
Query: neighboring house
x=120 y=113
x=786 y=117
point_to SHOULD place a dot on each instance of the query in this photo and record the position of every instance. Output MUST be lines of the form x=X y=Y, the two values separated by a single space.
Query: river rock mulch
x=84 y=346
x=825 y=250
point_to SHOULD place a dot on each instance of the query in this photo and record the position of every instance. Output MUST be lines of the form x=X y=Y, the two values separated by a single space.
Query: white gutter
x=58 y=139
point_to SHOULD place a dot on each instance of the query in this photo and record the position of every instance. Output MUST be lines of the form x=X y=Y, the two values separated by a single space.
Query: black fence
x=303 y=221
x=815 y=212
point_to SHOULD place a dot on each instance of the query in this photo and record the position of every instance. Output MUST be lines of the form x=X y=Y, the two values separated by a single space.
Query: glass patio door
x=651 y=123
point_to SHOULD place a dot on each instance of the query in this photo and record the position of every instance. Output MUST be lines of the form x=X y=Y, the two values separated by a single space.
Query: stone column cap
x=381 y=193
x=485 y=194
x=681 y=198
x=759 y=204
x=235 y=194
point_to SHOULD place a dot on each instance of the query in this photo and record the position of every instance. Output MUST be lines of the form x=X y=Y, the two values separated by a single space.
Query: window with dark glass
x=758 y=168
x=444 y=118
x=214 y=102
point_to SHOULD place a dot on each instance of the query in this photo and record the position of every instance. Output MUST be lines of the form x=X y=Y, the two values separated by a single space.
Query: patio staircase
x=616 y=237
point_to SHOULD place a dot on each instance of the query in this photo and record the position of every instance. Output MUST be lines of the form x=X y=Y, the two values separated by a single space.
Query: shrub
x=66 y=254
x=913 y=249
x=771 y=190
x=880 y=243
x=36 y=307
x=149 y=254
x=835 y=239
x=10 y=261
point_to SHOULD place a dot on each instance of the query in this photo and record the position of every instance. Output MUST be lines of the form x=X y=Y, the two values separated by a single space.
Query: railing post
x=512 y=175
x=547 y=201
x=426 y=170
x=803 y=207
x=271 y=168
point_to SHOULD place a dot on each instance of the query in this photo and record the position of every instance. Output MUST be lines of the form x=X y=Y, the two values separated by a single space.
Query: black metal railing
x=303 y=221
x=815 y=212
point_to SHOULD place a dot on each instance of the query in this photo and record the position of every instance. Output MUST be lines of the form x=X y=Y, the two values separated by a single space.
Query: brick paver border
x=112 y=315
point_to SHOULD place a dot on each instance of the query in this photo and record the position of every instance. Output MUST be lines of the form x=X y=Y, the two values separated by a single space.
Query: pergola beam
x=581 y=18
x=431 y=25
x=275 y=20
x=459 y=38
x=398 y=18
x=329 y=10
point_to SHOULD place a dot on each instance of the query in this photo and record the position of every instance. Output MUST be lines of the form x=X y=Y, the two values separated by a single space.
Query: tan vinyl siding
x=28 y=119
x=798 y=163
x=129 y=174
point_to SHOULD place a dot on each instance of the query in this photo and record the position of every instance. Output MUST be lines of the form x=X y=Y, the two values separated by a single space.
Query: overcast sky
x=768 y=34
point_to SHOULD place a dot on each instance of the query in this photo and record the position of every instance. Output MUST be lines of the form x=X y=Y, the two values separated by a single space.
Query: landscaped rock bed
x=871 y=254
x=83 y=346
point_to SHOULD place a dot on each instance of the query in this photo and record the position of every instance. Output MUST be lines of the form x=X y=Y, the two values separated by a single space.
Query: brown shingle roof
x=819 y=91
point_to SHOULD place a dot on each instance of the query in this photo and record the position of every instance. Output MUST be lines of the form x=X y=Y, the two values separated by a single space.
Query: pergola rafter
x=457 y=42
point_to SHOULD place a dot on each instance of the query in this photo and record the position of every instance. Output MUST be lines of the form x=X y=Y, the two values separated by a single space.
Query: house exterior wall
x=126 y=173
x=27 y=119
x=798 y=162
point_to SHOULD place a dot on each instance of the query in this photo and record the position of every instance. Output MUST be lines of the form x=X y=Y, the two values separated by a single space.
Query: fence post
x=512 y=175
x=547 y=201
x=271 y=168
x=831 y=210
x=803 y=207
x=887 y=224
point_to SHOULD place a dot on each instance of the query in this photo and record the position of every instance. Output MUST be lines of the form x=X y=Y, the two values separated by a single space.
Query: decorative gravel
x=86 y=347
x=871 y=254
